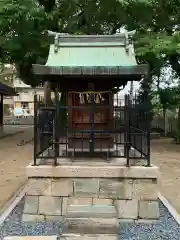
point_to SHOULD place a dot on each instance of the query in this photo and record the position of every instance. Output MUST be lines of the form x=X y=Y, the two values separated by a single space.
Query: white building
x=24 y=102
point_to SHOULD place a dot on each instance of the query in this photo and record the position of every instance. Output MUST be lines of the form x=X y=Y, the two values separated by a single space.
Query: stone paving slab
x=89 y=237
x=96 y=211
x=91 y=225
x=31 y=238
x=67 y=237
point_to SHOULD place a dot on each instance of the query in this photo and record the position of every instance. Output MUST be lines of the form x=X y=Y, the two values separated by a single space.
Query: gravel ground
x=165 y=228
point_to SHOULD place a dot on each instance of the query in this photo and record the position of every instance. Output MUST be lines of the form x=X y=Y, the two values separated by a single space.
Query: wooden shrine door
x=90 y=121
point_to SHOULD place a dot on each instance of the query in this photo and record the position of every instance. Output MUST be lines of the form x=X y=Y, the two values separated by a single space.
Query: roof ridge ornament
x=56 y=36
x=125 y=37
x=126 y=42
x=129 y=33
x=128 y=38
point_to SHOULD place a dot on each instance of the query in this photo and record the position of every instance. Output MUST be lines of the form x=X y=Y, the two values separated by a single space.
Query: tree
x=177 y=133
x=23 y=40
x=167 y=100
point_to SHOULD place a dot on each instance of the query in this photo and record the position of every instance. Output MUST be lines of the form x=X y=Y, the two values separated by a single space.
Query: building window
x=24 y=105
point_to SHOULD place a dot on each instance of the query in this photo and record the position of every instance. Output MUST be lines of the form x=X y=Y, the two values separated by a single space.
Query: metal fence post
x=125 y=126
x=127 y=129
x=148 y=130
x=35 y=127
x=56 y=126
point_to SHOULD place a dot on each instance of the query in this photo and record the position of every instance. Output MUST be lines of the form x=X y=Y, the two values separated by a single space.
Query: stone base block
x=148 y=210
x=31 y=238
x=33 y=218
x=89 y=237
x=91 y=225
x=127 y=209
x=92 y=171
x=94 y=211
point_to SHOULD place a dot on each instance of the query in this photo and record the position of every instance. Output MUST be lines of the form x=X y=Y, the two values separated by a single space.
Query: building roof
x=6 y=90
x=92 y=55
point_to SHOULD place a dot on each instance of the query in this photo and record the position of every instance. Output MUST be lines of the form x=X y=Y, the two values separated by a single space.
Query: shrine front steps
x=91 y=219
x=86 y=196
x=91 y=211
x=91 y=226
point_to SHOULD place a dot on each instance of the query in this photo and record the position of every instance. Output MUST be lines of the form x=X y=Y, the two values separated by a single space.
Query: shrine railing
x=138 y=128
x=128 y=137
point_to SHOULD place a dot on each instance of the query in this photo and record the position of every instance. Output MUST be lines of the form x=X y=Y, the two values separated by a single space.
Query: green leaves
x=22 y=23
x=21 y=41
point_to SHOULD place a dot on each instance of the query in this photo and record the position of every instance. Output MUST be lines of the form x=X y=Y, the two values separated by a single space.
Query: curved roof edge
x=68 y=38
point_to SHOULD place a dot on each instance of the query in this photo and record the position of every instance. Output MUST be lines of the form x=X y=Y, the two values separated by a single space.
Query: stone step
x=67 y=237
x=30 y=238
x=91 y=225
x=89 y=237
x=94 y=211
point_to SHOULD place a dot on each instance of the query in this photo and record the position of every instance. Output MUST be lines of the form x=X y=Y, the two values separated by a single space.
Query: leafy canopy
x=23 y=24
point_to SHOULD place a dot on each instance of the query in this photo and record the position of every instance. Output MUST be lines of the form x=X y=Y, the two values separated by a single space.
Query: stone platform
x=91 y=197
x=97 y=189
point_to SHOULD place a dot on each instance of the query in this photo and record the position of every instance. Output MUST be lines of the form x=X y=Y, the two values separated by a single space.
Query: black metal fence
x=124 y=134
x=139 y=127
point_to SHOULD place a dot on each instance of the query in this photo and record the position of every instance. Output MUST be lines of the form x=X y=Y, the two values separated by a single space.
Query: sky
x=127 y=88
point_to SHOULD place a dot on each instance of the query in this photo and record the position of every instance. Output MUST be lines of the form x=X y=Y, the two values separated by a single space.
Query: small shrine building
x=91 y=195
x=90 y=70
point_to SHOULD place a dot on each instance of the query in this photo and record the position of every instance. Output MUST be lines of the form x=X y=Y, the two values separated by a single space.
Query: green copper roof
x=90 y=54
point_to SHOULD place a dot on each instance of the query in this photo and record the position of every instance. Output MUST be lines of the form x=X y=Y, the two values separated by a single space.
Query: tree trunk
x=164 y=122
x=47 y=93
x=131 y=90
x=178 y=126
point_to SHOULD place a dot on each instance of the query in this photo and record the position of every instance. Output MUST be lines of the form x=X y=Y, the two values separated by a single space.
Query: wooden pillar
x=1 y=109
x=92 y=110
x=71 y=111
